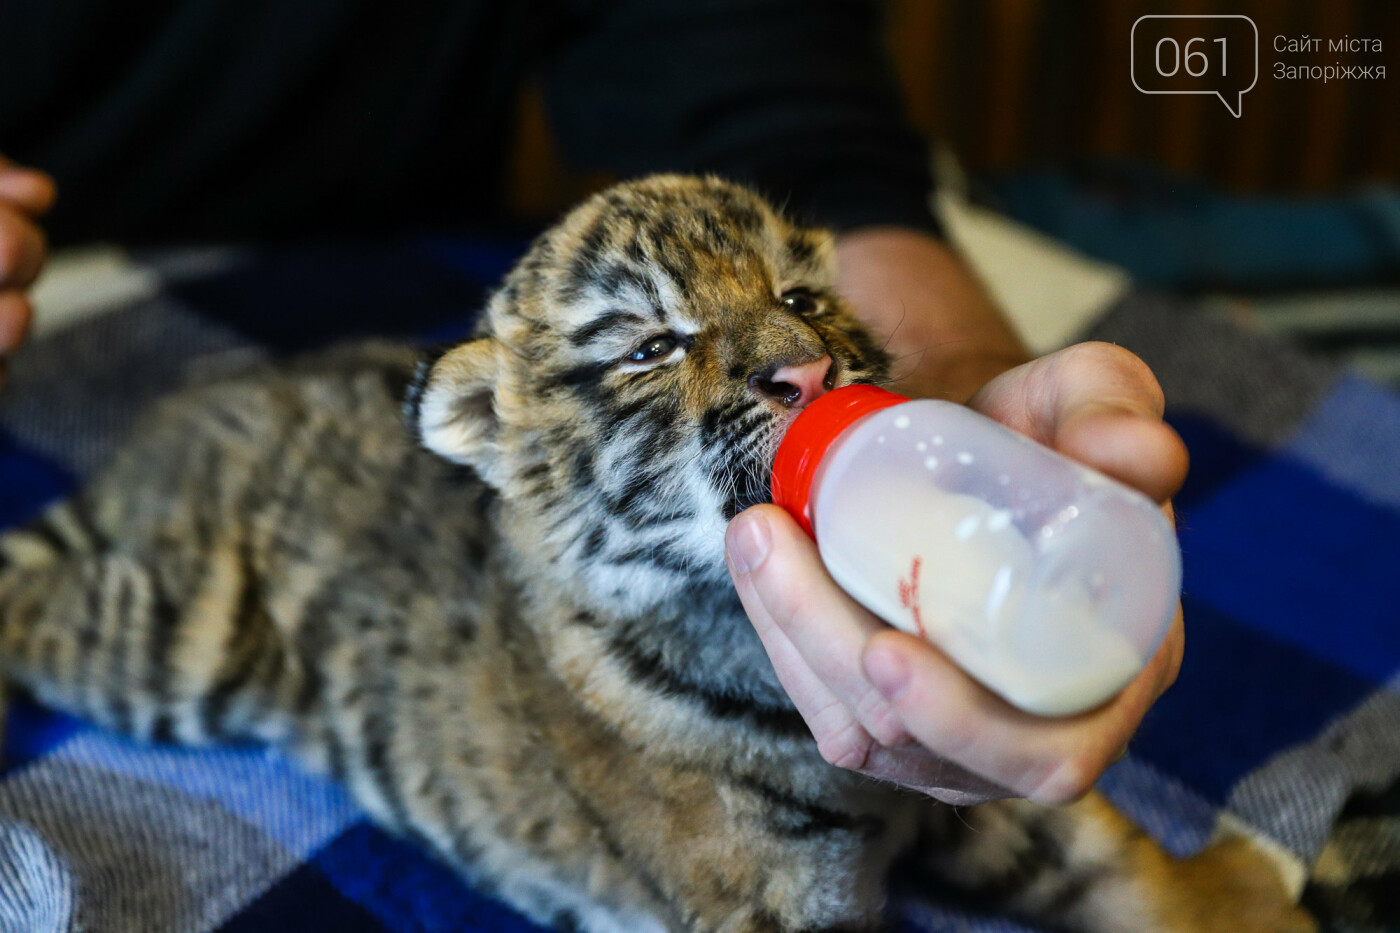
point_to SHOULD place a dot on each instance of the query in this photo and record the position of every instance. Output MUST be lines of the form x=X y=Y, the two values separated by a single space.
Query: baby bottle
x=1048 y=582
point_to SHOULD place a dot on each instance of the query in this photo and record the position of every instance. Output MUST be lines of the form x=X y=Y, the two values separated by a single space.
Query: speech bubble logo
x=1186 y=54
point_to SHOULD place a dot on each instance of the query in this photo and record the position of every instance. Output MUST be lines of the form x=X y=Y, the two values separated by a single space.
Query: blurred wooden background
x=1015 y=84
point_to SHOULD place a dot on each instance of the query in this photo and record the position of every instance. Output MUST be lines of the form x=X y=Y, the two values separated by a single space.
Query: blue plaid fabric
x=1286 y=708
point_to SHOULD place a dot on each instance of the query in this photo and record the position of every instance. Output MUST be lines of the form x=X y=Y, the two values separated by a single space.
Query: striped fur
x=509 y=630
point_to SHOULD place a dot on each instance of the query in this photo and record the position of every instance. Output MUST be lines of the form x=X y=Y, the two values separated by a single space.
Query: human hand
x=889 y=705
x=25 y=194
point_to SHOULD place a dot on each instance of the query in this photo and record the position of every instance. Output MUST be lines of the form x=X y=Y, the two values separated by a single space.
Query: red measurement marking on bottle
x=909 y=595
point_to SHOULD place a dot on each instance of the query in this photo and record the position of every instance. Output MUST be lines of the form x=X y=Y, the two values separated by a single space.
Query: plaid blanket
x=1285 y=722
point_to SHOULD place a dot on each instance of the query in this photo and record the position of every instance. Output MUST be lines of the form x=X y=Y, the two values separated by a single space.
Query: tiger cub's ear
x=451 y=403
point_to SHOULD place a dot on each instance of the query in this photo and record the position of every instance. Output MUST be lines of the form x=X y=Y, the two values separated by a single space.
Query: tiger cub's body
x=531 y=659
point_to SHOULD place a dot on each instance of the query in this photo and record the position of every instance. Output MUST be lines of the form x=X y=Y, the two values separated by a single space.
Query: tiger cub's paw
x=1233 y=887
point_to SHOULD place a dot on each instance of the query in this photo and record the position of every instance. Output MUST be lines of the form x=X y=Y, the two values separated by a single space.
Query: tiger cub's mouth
x=746 y=444
x=743 y=446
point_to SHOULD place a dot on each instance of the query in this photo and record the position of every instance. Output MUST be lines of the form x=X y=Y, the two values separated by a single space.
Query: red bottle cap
x=806 y=442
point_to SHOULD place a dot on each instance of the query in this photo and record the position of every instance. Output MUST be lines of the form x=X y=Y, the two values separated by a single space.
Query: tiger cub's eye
x=799 y=301
x=654 y=348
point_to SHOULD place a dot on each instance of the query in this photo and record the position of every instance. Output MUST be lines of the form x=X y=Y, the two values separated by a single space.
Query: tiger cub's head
x=633 y=376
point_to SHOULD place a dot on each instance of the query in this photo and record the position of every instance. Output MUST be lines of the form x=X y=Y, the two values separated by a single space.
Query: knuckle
x=955 y=737
x=801 y=608
x=1169 y=658
x=848 y=747
x=885 y=726
x=790 y=607
x=1102 y=352
x=47 y=191
x=1174 y=670
x=1066 y=780
x=1129 y=367
x=22 y=249
x=11 y=248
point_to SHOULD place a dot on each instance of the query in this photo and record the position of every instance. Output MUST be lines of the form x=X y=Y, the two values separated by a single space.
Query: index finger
x=1099 y=404
x=1048 y=760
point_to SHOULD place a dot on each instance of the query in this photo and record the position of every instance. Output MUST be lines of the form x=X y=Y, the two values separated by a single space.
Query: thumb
x=775 y=563
x=784 y=585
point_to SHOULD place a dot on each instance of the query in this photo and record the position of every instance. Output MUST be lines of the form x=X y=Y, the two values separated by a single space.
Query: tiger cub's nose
x=799 y=385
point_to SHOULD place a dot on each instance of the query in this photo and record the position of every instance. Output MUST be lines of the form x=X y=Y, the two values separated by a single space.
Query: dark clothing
x=176 y=119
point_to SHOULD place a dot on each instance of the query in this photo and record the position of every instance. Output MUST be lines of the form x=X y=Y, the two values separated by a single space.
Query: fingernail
x=747 y=542
x=887 y=671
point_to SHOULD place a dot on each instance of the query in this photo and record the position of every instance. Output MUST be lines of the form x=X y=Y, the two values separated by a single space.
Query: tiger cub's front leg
x=1087 y=868
x=702 y=848
x=743 y=856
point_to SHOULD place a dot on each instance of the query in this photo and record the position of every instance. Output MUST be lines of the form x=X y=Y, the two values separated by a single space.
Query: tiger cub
x=509 y=630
